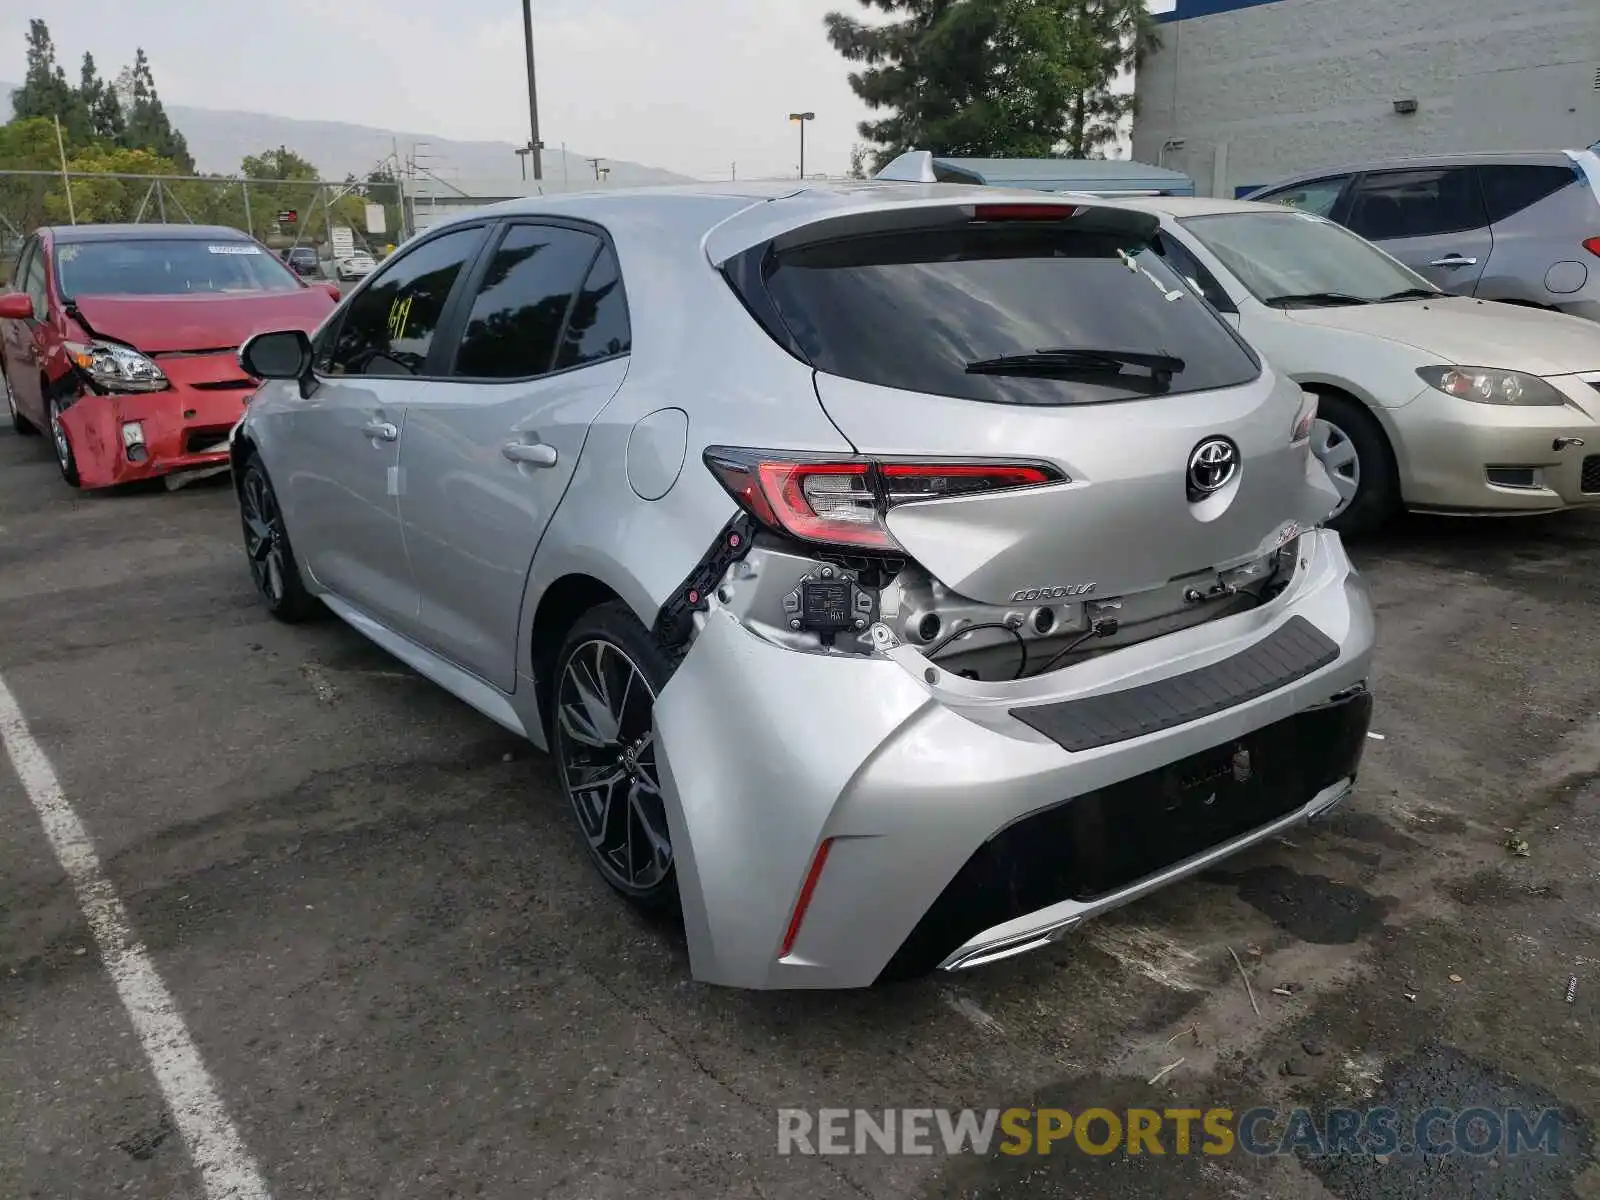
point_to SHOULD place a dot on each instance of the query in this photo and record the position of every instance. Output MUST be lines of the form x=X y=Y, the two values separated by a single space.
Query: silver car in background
x=899 y=574
x=1523 y=228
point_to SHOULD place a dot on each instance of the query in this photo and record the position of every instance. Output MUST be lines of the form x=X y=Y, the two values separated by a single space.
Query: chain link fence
x=281 y=213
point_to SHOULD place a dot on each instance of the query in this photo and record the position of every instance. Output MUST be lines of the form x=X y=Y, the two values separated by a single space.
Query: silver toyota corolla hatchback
x=899 y=574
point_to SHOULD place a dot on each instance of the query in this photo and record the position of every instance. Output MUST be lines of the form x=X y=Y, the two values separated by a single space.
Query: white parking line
x=226 y=1169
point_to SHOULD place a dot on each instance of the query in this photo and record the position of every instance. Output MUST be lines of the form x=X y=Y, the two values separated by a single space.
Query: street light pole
x=534 y=145
x=803 y=118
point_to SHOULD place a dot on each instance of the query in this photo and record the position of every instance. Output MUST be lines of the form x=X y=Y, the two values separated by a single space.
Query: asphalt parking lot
x=404 y=979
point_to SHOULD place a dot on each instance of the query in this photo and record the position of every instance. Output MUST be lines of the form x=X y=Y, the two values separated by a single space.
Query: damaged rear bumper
x=958 y=821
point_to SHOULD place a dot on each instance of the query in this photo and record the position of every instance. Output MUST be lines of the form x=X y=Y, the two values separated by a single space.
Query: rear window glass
x=1508 y=189
x=917 y=310
x=169 y=267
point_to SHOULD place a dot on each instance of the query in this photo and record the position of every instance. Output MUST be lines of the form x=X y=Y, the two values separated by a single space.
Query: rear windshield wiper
x=1076 y=361
x=1315 y=298
x=1410 y=294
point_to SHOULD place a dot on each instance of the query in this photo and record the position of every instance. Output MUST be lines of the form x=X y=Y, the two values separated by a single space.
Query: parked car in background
x=900 y=575
x=1425 y=400
x=1522 y=228
x=357 y=266
x=121 y=341
x=303 y=261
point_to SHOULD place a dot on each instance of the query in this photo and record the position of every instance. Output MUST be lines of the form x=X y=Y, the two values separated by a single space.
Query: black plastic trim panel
x=676 y=618
x=1293 y=651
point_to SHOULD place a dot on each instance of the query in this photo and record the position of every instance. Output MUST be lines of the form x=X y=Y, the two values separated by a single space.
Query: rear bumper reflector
x=804 y=902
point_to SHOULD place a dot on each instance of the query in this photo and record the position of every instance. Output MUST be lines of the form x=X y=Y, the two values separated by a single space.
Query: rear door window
x=517 y=315
x=931 y=310
x=1418 y=203
x=1510 y=188
x=1319 y=196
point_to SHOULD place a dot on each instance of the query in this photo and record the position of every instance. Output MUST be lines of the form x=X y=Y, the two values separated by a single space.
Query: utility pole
x=534 y=144
x=734 y=172
x=595 y=163
x=66 y=180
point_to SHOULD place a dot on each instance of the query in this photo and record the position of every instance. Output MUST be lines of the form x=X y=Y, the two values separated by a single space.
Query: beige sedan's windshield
x=1279 y=255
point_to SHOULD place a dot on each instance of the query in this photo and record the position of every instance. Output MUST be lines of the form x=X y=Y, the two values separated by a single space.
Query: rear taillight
x=1592 y=245
x=843 y=501
x=1306 y=418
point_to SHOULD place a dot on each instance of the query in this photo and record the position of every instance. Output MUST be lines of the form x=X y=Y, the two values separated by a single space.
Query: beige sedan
x=1426 y=400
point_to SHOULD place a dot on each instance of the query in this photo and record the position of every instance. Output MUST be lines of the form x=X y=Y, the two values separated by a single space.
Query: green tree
x=294 y=189
x=102 y=111
x=1024 y=78
x=1102 y=39
x=45 y=91
x=26 y=144
x=858 y=161
x=282 y=163
x=107 y=199
x=149 y=128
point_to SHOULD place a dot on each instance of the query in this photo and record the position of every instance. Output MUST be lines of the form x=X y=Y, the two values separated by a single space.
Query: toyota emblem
x=1212 y=466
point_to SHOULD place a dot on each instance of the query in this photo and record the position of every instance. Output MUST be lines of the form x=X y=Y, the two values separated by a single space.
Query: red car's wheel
x=19 y=422
x=63 y=445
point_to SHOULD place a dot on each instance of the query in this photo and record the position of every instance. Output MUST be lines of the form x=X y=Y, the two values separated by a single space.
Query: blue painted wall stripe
x=1189 y=9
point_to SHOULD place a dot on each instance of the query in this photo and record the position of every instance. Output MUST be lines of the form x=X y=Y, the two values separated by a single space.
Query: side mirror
x=16 y=306
x=280 y=355
x=333 y=290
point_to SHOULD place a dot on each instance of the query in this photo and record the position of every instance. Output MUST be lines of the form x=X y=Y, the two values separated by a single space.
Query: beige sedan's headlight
x=1490 y=385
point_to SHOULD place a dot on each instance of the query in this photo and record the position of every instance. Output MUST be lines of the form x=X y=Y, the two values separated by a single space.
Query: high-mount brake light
x=1025 y=212
x=843 y=500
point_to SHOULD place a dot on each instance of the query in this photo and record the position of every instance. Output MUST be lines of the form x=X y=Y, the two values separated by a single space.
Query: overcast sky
x=689 y=85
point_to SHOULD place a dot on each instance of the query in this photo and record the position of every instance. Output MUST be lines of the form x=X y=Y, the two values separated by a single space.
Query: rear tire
x=273 y=567
x=20 y=423
x=602 y=732
x=1356 y=453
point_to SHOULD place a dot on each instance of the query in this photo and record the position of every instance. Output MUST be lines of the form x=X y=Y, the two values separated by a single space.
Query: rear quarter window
x=913 y=309
x=1510 y=188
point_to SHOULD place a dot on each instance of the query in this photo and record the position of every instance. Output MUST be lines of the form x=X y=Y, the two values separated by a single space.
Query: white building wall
x=1258 y=89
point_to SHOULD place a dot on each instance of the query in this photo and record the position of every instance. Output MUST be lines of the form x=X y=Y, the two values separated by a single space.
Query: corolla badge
x=1064 y=592
x=1212 y=466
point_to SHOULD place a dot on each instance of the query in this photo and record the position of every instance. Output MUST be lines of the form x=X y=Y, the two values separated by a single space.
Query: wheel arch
x=1380 y=416
x=240 y=451
x=559 y=608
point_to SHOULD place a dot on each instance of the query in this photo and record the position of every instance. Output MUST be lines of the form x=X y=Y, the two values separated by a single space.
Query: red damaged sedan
x=122 y=341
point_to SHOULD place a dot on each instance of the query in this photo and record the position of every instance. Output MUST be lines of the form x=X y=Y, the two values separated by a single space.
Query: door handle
x=535 y=454
x=382 y=430
x=1454 y=260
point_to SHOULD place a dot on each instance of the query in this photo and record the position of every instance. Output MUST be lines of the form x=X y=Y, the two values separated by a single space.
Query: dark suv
x=1523 y=228
x=303 y=260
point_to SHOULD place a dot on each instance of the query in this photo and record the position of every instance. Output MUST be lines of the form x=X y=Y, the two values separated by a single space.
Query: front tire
x=273 y=567
x=65 y=459
x=602 y=730
x=1353 y=449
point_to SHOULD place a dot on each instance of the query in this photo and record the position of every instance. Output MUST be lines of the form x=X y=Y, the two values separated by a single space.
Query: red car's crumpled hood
x=161 y=324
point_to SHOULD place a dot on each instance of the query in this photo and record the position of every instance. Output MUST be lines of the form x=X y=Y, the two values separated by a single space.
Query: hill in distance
x=219 y=138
